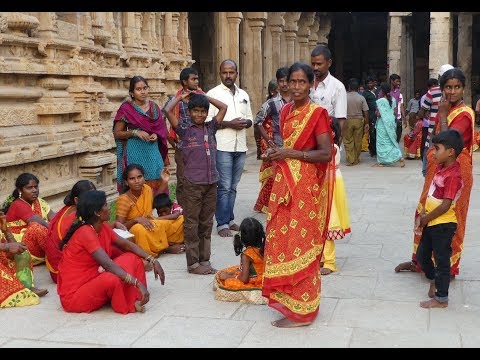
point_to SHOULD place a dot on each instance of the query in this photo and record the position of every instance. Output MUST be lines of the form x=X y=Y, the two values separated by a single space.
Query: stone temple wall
x=63 y=76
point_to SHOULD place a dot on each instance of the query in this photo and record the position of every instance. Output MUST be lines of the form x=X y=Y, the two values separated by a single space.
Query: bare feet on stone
x=325 y=271
x=234 y=227
x=225 y=233
x=39 y=292
x=138 y=307
x=287 y=323
x=431 y=291
x=433 y=303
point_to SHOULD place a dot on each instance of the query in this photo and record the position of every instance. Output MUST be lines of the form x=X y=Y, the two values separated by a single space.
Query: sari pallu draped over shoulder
x=298 y=217
x=461 y=206
x=152 y=122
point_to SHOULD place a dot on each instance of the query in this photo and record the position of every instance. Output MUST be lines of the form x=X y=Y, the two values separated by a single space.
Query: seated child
x=244 y=283
x=165 y=211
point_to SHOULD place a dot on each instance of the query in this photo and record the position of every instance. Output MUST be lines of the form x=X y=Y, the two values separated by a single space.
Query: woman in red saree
x=60 y=224
x=266 y=172
x=299 y=207
x=452 y=114
x=28 y=216
x=413 y=141
x=140 y=133
x=88 y=278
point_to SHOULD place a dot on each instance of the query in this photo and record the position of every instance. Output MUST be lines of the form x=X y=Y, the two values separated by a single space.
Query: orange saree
x=266 y=172
x=297 y=218
x=461 y=208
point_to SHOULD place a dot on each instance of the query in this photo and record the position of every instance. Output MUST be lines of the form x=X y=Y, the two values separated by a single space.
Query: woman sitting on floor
x=134 y=210
x=28 y=216
x=16 y=269
x=88 y=278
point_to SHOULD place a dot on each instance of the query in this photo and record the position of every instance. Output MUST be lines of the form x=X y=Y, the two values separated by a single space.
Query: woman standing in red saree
x=452 y=114
x=88 y=278
x=28 y=216
x=299 y=207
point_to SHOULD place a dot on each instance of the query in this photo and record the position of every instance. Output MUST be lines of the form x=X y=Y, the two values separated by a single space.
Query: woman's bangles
x=150 y=259
x=135 y=132
x=130 y=280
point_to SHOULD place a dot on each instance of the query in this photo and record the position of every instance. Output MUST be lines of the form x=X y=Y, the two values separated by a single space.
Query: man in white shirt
x=231 y=143
x=329 y=93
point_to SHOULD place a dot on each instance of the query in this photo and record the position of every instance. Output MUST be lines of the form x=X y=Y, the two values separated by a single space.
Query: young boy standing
x=438 y=219
x=199 y=148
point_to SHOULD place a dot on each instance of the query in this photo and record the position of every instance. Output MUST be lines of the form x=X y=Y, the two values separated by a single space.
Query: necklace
x=296 y=112
x=25 y=201
x=93 y=228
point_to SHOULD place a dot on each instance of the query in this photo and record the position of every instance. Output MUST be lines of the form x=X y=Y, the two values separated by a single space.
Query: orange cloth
x=298 y=217
x=413 y=141
x=57 y=230
x=256 y=274
x=265 y=172
x=461 y=207
x=164 y=233
x=82 y=288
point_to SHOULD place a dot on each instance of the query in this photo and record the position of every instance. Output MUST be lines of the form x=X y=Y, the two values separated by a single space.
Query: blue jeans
x=230 y=167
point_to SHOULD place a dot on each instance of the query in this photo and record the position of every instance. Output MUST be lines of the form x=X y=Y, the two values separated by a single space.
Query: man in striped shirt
x=430 y=103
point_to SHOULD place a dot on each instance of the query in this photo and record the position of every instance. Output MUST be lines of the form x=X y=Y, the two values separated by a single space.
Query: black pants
x=258 y=141
x=372 y=137
x=437 y=239
x=399 y=130
x=424 y=139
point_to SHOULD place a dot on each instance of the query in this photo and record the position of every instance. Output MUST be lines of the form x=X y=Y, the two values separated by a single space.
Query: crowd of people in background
x=307 y=120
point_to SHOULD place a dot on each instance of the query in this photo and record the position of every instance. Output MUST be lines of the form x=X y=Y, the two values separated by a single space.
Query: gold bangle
x=150 y=259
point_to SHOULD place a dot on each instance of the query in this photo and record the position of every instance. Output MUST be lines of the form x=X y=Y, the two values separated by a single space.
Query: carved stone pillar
x=276 y=24
x=313 y=39
x=100 y=35
x=306 y=21
x=234 y=19
x=290 y=30
x=48 y=27
x=325 y=25
x=254 y=85
x=175 y=25
x=168 y=39
x=464 y=52
x=130 y=32
x=440 y=49
x=394 y=43
x=183 y=34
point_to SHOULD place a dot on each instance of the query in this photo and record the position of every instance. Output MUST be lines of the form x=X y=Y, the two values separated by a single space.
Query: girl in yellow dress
x=339 y=224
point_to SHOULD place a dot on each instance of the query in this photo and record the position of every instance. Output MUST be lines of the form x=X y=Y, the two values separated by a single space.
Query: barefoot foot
x=325 y=271
x=175 y=249
x=39 y=292
x=138 y=307
x=202 y=270
x=287 y=323
x=402 y=162
x=225 y=233
x=433 y=303
x=431 y=291
x=234 y=227
x=406 y=266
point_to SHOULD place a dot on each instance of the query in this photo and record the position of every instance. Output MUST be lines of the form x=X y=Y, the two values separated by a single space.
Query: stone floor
x=365 y=304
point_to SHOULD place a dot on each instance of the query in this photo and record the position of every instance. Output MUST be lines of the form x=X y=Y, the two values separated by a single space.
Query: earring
x=19 y=194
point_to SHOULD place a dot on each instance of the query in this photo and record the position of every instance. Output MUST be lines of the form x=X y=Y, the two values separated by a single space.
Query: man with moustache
x=329 y=93
x=231 y=143
x=189 y=82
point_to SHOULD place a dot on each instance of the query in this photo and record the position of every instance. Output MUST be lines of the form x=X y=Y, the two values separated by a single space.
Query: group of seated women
x=91 y=264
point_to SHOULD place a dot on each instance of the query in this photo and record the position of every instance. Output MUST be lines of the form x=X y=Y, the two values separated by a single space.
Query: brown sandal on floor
x=39 y=292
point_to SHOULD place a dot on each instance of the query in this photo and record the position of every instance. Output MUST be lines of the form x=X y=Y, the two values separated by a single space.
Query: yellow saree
x=165 y=231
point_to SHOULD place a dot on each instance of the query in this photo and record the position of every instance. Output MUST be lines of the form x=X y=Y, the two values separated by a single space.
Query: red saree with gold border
x=461 y=207
x=265 y=173
x=297 y=218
